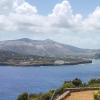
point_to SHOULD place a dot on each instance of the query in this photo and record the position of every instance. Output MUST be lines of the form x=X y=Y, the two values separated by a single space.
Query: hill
x=47 y=47
x=43 y=52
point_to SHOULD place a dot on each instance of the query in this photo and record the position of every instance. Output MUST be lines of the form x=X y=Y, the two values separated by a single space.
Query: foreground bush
x=41 y=96
x=77 y=82
x=23 y=96
x=94 y=83
x=97 y=96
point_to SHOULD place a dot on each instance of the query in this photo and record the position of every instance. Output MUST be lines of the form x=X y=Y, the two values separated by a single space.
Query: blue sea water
x=15 y=80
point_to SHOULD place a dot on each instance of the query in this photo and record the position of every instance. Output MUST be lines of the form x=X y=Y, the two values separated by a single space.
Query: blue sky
x=74 y=22
x=79 y=6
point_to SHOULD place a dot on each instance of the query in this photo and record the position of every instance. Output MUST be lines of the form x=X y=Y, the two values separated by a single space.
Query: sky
x=74 y=22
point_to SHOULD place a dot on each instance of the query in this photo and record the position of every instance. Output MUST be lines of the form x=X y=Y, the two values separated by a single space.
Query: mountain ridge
x=46 y=47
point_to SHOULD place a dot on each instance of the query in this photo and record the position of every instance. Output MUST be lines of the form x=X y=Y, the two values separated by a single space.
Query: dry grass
x=84 y=95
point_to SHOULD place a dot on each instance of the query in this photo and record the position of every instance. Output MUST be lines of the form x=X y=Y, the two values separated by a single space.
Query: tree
x=94 y=81
x=68 y=85
x=77 y=82
x=23 y=96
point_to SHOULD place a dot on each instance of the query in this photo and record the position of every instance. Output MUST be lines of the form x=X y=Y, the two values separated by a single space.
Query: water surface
x=15 y=80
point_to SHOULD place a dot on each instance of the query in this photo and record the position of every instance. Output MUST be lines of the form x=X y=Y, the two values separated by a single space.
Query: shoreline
x=39 y=65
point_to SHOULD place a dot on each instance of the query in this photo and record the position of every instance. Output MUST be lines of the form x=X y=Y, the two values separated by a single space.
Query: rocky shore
x=41 y=63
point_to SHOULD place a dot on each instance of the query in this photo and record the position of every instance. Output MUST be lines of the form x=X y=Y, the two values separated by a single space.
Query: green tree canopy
x=77 y=82
x=23 y=96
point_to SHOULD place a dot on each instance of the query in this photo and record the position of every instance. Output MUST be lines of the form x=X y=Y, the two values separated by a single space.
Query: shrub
x=46 y=96
x=42 y=96
x=59 y=91
x=94 y=81
x=97 y=96
x=68 y=85
x=77 y=82
x=23 y=96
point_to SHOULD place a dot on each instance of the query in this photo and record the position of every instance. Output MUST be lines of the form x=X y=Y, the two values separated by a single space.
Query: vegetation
x=77 y=82
x=67 y=84
x=23 y=96
x=94 y=83
x=97 y=96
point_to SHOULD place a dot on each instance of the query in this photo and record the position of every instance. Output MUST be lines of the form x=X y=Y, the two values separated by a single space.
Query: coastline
x=48 y=64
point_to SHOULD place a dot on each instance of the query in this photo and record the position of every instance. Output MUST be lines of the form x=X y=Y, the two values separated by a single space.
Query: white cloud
x=93 y=20
x=63 y=16
x=26 y=8
x=6 y=6
x=17 y=14
x=20 y=16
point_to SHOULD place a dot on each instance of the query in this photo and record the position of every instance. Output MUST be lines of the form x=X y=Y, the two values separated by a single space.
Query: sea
x=16 y=80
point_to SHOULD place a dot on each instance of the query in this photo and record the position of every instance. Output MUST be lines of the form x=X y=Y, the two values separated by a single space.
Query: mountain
x=46 y=47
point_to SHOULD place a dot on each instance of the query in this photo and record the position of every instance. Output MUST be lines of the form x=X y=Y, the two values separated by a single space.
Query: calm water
x=14 y=80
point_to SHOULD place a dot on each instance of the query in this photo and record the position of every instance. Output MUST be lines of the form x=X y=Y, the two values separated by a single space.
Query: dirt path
x=84 y=95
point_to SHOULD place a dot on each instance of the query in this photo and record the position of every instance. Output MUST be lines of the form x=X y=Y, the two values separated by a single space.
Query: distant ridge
x=46 y=47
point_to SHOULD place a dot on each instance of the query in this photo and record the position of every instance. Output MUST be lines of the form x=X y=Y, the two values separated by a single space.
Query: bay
x=16 y=80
